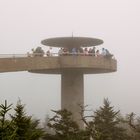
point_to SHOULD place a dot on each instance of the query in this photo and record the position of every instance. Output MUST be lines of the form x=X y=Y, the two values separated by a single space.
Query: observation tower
x=72 y=68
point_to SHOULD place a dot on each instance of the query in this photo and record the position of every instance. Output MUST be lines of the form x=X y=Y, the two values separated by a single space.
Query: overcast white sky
x=24 y=23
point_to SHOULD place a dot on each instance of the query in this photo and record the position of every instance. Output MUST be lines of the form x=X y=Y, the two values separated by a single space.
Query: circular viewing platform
x=82 y=64
x=73 y=55
x=58 y=64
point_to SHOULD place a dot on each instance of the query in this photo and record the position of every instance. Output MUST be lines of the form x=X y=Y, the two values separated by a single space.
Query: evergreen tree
x=34 y=131
x=107 y=124
x=23 y=126
x=89 y=131
x=64 y=127
x=134 y=124
x=5 y=124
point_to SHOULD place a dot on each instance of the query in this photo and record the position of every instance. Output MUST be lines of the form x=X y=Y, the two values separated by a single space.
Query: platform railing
x=12 y=55
x=27 y=55
x=51 y=55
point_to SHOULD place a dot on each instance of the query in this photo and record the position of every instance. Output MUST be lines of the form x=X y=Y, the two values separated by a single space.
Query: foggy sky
x=24 y=23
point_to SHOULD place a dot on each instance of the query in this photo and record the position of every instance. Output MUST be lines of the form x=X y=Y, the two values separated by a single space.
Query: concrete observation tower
x=72 y=68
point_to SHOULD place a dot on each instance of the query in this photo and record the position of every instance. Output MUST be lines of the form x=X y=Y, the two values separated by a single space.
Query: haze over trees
x=103 y=124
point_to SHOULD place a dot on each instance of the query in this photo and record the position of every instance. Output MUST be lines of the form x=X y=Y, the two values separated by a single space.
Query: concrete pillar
x=72 y=93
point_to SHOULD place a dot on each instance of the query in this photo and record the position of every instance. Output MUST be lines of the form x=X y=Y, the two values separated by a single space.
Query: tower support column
x=72 y=93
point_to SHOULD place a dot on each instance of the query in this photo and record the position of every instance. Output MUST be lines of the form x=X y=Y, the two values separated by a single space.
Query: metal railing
x=51 y=55
x=12 y=55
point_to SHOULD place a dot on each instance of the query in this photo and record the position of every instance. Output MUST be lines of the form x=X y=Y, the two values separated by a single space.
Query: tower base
x=72 y=94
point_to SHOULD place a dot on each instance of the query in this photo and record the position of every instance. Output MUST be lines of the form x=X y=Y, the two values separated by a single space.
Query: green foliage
x=64 y=127
x=107 y=124
x=89 y=131
x=134 y=124
x=21 y=122
x=4 y=124
x=20 y=126
x=34 y=131
x=25 y=128
x=104 y=124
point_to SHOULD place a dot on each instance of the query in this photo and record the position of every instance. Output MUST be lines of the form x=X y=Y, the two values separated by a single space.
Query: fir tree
x=25 y=128
x=107 y=124
x=64 y=127
x=5 y=124
x=134 y=125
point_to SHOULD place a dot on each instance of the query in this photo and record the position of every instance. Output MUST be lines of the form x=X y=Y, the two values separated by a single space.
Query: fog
x=24 y=23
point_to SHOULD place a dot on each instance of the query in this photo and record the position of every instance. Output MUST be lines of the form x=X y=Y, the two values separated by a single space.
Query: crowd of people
x=72 y=51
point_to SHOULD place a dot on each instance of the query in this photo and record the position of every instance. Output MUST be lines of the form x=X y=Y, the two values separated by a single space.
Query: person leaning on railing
x=60 y=52
x=108 y=54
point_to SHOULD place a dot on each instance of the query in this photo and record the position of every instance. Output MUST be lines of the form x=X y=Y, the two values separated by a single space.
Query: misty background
x=24 y=23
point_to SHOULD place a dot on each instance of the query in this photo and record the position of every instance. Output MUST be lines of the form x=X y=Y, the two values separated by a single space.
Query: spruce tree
x=5 y=125
x=134 y=125
x=64 y=127
x=107 y=124
x=23 y=126
x=21 y=122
